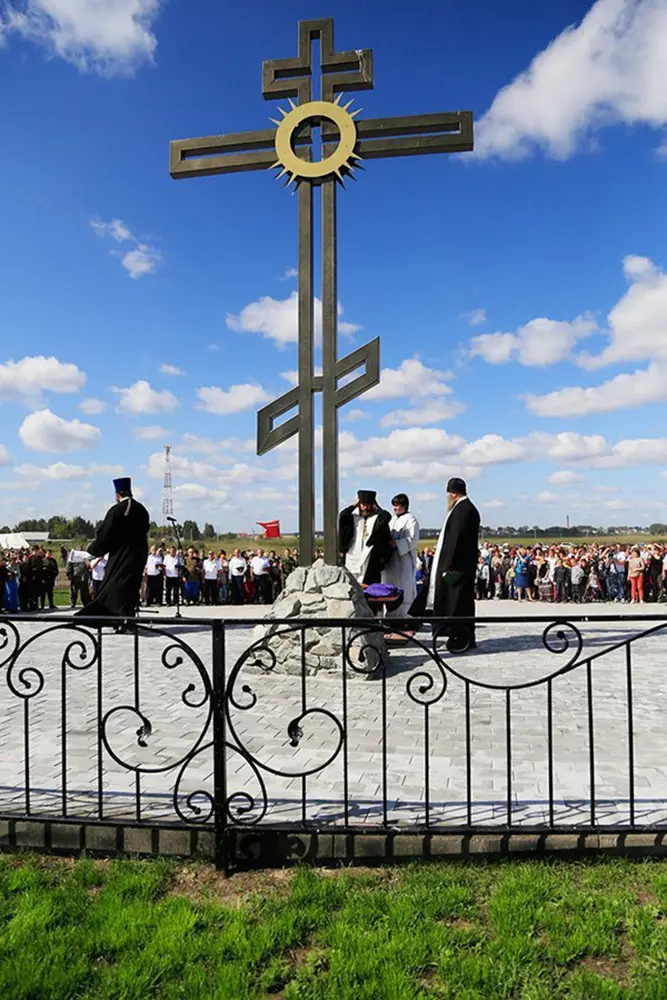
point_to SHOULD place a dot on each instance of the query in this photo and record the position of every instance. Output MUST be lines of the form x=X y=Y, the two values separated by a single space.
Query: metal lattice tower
x=167 y=494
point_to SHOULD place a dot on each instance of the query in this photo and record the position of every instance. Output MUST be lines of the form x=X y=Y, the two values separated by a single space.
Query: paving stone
x=175 y=842
x=65 y=836
x=30 y=834
x=138 y=840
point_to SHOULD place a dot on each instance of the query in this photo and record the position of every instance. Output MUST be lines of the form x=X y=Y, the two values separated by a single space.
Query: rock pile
x=319 y=592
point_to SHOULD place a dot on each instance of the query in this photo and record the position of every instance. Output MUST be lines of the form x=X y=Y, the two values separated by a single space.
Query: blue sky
x=520 y=292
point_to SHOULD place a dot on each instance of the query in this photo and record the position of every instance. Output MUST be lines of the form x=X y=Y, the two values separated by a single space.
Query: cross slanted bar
x=289 y=147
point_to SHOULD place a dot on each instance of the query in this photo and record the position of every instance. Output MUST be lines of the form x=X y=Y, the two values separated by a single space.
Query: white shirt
x=436 y=558
x=358 y=554
x=237 y=566
x=153 y=565
x=211 y=569
x=99 y=568
x=260 y=565
x=172 y=565
x=400 y=572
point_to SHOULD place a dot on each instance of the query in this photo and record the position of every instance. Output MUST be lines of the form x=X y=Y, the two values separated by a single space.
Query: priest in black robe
x=451 y=587
x=365 y=539
x=124 y=536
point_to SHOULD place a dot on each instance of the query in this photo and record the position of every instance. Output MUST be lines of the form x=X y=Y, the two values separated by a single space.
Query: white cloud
x=213 y=347
x=25 y=380
x=291 y=272
x=428 y=497
x=539 y=343
x=92 y=406
x=618 y=505
x=492 y=449
x=181 y=467
x=140 y=260
x=475 y=317
x=352 y=415
x=187 y=468
x=612 y=67
x=634 y=452
x=5 y=458
x=144 y=259
x=564 y=477
x=567 y=446
x=413 y=379
x=232 y=400
x=150 y=433
x=545 y=497
x=638 y=321
x=112 y=37
x=621 y=392
x=116 y=229
x=431 y=413
x=59 y=471
x=493 y=504
x=277 y=320
x=197 y=493
x=141 y=398
x=171 y=370
x=45 y=431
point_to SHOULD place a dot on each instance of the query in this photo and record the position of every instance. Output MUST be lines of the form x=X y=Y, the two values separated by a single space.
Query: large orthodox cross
x=290 y=148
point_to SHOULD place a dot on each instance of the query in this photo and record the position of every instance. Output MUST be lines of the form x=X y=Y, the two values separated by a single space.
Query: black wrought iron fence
x=248 y=729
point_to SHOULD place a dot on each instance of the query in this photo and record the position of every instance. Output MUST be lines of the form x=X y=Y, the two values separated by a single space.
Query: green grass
x=131 y=930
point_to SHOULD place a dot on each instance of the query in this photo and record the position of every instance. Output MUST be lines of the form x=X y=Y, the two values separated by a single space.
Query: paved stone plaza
x=64 y=767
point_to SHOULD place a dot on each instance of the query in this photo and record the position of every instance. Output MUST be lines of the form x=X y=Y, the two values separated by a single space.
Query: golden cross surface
x=289 y=148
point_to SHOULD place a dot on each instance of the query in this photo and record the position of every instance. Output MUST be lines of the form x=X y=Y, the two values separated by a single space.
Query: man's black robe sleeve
x=105 y=540
x=380 y=538
x=345 y=528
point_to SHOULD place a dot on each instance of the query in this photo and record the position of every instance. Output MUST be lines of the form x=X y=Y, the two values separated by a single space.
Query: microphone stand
x=174 y=523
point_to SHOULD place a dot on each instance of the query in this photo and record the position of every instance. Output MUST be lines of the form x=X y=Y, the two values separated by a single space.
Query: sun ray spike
x=291 y=104
x=275 y=121
x=348 y=105
x=273 y=166
x=355 y=156
x=358 y=111
x=338 y=99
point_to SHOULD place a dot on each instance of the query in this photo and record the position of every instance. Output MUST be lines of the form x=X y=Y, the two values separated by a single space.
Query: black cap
x=457 y=486
x=366 y=496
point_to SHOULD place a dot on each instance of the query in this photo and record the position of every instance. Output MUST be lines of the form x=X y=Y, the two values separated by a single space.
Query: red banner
x=271 y=528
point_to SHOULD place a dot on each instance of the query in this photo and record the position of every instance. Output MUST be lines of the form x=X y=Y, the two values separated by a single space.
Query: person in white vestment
x=402 y=569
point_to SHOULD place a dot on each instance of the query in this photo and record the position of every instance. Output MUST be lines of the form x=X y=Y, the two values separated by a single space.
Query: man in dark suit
x=451 y=588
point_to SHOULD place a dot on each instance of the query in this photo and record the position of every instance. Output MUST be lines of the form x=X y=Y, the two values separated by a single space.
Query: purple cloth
x=384 y=590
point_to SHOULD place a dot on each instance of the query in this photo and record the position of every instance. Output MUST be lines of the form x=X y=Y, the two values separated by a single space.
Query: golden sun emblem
x=343 y=156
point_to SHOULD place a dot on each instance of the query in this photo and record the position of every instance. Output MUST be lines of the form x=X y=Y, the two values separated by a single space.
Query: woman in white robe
x=402 y=568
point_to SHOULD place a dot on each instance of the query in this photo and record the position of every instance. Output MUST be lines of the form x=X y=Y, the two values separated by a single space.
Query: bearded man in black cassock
x=365 y=538
x=124 y=536
x=451 y=586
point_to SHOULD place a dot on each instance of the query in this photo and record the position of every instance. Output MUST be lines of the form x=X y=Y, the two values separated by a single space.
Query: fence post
x=219 y=750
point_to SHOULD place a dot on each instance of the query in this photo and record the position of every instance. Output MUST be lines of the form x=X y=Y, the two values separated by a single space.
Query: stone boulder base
x=319 y=592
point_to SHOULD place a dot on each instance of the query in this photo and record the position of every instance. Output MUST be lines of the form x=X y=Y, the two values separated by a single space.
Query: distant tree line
x=79 y=527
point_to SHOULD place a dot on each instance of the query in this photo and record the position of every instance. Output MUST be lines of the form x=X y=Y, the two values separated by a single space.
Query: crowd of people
x=556 y=573
x=207 y=576
x=27 y=579
x=567 y=573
